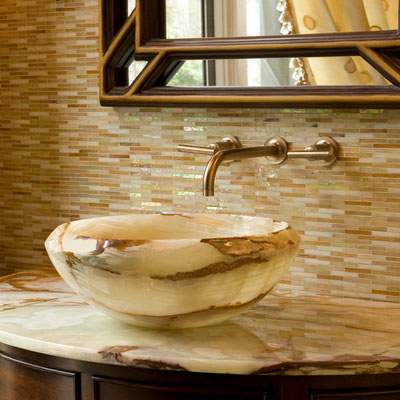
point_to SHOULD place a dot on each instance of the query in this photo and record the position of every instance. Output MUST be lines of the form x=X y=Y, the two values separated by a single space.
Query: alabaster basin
x=173 y=270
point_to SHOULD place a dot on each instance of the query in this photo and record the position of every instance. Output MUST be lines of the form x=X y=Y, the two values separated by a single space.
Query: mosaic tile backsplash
x=63 y=157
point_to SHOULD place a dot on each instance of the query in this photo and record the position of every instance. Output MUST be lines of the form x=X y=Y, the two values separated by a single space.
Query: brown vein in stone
x=157 y=365
x=175 y=214
x=241 y=246
x=29 y=302
x=343 y=365
x=20 y=281
x=61 y=236
x=115 y=352
x=216 y=268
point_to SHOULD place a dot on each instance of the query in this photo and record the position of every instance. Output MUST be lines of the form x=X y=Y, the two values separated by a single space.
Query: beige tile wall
x=63 y=157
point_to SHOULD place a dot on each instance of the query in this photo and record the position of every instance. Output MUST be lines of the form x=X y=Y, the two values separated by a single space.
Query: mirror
x=277 y=72
x=247 y=52
x=240 y=18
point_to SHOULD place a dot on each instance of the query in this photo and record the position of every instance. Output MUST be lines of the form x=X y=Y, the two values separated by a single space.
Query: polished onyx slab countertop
x=283 y=334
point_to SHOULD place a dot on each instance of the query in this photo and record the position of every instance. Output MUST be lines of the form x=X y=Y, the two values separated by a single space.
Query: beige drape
x=230 y=20
x=321 y=16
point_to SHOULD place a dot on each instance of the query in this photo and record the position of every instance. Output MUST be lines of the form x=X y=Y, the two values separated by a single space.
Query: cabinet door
x=382 y=394
x=110 y=389
x=20 y=380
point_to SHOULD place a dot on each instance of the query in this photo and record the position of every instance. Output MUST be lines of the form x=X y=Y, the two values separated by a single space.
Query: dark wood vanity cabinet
x=382 y=394
x=109 y=388
x=23 y=380
x=32 y=376
x=339 y=387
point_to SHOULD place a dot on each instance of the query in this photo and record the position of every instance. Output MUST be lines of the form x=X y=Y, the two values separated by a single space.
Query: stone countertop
x=283 y=334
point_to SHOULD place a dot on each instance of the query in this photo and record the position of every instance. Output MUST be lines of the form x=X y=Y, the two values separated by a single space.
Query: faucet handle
x=227 y=143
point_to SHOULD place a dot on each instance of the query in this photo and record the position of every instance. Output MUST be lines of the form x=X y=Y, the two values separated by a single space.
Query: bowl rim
x=280 y=226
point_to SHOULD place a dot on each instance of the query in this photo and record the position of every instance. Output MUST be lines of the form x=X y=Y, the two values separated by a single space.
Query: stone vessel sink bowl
x=173 y=270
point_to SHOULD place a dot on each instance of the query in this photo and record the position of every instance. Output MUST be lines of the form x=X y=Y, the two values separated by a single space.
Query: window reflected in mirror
x=192 y=73
x=134 y=70
x=184 y=19
x=131 y=6
x=278 y=72
x=238 y=18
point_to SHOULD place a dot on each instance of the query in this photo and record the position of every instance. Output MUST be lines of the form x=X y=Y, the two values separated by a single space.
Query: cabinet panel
x=20 y=380
x=389 y=394
x=106 y=389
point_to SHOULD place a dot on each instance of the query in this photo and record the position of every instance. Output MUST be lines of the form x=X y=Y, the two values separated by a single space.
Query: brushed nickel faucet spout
x=268 y=150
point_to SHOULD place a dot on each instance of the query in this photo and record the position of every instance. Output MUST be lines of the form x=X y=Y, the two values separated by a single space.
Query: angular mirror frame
x=141 y=36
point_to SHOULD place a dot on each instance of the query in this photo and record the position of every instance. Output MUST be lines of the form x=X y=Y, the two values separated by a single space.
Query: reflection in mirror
x=184 y=18
x=277 y=72
x=320 y=16
x=134 y=69
x=192 y=73
x=131 y=6
x=235 y=18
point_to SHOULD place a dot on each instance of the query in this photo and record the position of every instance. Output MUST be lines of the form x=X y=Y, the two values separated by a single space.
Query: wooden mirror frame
x=141 y=36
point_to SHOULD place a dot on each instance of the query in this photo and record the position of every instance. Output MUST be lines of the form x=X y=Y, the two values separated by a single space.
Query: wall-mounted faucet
x=274 y=149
